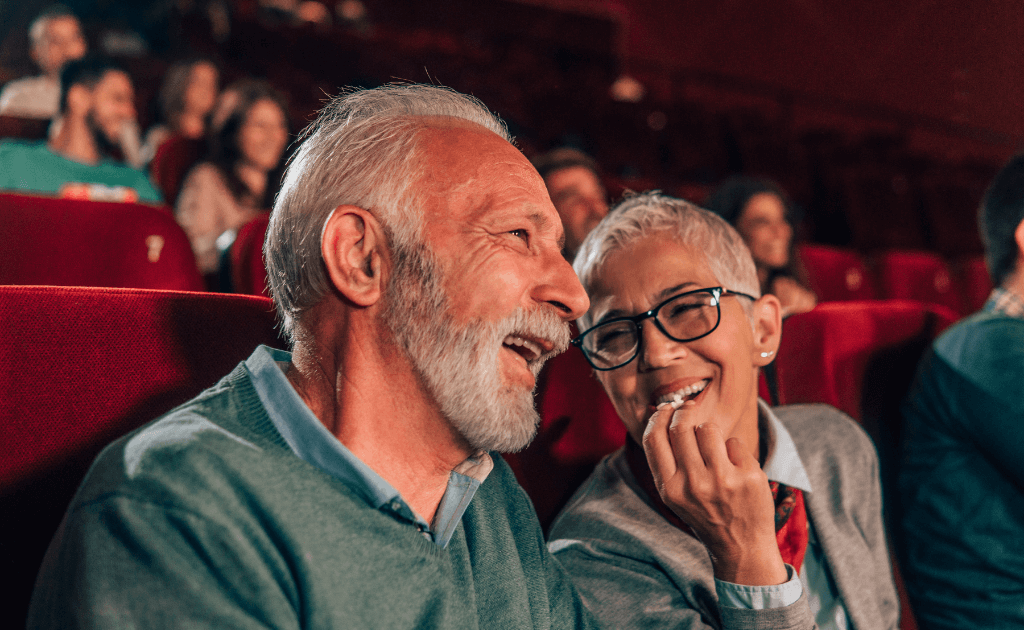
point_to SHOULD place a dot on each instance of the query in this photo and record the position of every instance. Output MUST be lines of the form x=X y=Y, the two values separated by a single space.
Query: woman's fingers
x=657 y=446
x=713 y=449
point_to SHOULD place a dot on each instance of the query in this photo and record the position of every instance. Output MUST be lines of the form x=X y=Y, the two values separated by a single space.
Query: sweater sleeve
x=123 y=563
x=628 y=592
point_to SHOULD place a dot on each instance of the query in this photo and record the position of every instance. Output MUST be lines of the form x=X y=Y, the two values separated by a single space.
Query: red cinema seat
x=578 y=427
x=87 y=365
x=23 y=128
x=91 y=243
x=836 y=274
x=915 y=275
x=861 y=358
x=248 y=272
x=974 y=281
x=171 y=163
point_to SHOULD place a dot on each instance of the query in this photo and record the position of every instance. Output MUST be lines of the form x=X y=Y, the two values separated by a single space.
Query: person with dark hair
x=97 y=104
x=961 y=482
x=187 y=96
x=247 y=137
x=574 y=184
x=56 y=38
x=763 y=215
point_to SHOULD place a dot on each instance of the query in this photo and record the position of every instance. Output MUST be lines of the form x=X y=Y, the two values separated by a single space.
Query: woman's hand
x=717 y=488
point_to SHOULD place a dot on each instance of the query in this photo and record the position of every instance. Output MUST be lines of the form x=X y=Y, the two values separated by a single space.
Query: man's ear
x=79 y=100
x=767 y=323
x=352 y=250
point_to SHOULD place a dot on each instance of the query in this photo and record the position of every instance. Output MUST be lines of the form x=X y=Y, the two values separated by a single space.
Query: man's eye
x=523 y=234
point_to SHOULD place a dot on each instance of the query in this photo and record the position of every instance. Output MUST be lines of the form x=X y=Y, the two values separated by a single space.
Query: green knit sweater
x=205 y=518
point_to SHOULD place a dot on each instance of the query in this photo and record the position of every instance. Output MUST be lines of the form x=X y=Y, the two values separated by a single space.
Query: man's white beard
x=460 y=367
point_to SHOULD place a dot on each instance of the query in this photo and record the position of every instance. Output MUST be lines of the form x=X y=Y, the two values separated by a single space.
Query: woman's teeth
x=678 y=397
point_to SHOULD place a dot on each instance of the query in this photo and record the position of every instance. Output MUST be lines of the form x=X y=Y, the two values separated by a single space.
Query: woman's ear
x=351 y=246
x=767 y=323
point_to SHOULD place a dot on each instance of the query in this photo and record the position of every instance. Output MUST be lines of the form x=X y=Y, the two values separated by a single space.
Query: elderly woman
x=762 y=214
x=731 y=514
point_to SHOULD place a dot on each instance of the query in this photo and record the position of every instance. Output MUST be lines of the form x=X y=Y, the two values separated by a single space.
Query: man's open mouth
x=529 y=349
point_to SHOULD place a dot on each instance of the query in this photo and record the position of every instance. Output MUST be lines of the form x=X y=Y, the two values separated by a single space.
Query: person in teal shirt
x=962 y=482
x=97 y=108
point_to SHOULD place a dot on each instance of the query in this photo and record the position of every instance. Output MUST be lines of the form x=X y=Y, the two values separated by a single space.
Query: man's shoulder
x=191 y=450
x=985 y=334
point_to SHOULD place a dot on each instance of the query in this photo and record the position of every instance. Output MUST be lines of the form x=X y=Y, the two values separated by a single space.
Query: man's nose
x=562 y=289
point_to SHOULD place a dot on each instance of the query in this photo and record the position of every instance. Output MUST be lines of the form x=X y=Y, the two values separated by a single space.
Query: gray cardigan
x=636 y=570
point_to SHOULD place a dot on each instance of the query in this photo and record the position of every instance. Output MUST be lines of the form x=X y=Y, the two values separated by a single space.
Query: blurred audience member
x=962 y=483
x=760 y=211
x=187 y=97
x=97 y=103
x=247 y=136
x=574 y=184
x=56 y=38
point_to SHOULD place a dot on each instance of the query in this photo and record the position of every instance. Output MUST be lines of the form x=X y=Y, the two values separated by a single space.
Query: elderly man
x=97 y=105
x=962 y=482
x=414 y=256
x=56 y=38
x=575 y=187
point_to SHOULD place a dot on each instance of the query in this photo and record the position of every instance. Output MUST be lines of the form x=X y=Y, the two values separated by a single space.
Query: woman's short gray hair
x=360 y=151
x=642 y=215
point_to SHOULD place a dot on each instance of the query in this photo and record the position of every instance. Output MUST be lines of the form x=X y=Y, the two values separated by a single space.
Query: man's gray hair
x=360 y=151
x=642 y=215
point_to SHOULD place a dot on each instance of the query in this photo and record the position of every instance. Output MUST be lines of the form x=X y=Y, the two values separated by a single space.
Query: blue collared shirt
x=783 y=464
x=310 y=440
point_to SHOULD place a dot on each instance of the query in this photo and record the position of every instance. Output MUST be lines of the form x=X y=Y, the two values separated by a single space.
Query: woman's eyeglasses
x=684 y=317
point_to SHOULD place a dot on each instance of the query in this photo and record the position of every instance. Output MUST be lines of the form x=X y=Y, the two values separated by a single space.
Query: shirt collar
x=1006 y=302
x=783 y=461
x=310 y=440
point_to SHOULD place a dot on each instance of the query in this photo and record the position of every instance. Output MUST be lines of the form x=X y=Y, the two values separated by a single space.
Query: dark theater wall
x=944 y=59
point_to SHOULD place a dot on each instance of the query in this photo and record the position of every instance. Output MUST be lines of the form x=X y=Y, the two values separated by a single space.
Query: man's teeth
x=679 y=395
x=534 y=349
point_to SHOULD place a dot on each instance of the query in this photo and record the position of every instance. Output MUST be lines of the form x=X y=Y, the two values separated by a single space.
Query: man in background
x=97 y=103
x=962 y=482
x=56 y=38
x=574 y=183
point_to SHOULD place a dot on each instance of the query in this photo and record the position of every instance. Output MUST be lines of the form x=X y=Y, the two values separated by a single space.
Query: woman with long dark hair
x=247 y=136
x=763 y=215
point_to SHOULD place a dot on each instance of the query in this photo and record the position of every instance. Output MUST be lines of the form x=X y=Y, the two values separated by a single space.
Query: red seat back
x=826 y=353
x=836 y=274
x=87 y=365
x=915 y=275
x=90 y=243
x=172 y=161
x=248 y=273
x=24 y=128
x=975 y=283
x=861 y=357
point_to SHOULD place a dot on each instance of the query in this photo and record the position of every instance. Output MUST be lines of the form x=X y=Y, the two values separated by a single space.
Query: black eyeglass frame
x=717 y=292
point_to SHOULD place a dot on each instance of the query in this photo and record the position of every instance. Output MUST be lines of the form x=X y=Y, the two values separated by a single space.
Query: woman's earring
x=765 y=355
